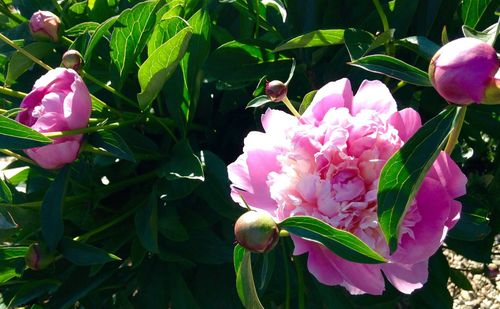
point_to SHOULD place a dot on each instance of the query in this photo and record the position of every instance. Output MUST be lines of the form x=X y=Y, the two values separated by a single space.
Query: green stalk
x=17 y=156
x=290 y=107
x=12 y=93
x=455 y=132
x=389 y=48
x=287 y=275
x=300 y=283
x=113 y=125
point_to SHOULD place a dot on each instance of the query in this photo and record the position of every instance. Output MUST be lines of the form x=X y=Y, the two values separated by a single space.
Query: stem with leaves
x=455 y=132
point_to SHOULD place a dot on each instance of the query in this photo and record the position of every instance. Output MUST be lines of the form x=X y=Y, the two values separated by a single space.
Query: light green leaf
x=344 y=244
x=19 y=63
x=12 y=253
x=97 y=36
x=404 y=172
x=5 y=193
x=6 y=220
x=488 y=35
x=14 y=135
x=308 y=98
x=314 y=39
x=82 y=28
x=131 y=34
x=164 y=31
x=157 y=69
x=245 y=285
x=394 y=68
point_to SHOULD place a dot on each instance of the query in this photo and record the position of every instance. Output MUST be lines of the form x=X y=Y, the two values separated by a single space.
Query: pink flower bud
x=276 y=90
x=462 y=69
x=38 y=257
x=72 y=59
x=256 y=231
x=44 y=25
x=59 y=101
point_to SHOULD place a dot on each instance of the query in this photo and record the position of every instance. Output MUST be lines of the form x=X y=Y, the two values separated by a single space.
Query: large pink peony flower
x=327 y=165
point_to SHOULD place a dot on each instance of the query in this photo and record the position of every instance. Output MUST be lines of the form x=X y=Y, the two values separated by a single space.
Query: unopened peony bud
x=256 y=231
x=72 y=59
x=38 y=257
x=462 y=70
x=44 y=25
x=276 y=91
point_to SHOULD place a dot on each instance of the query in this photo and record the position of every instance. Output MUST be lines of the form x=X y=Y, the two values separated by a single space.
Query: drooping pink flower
x=45 y=25
x=59 y=101
x=327 y=165
x=462 y=70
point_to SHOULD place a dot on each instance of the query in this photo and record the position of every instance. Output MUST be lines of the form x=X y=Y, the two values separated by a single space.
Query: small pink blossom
x=327 y=165
x=45 y=25
x=59 y=101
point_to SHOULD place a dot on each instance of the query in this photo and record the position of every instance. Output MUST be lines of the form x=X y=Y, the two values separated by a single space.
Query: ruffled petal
x=407 y=122
x=446 y=171
x=406 y=278
x=374 y=95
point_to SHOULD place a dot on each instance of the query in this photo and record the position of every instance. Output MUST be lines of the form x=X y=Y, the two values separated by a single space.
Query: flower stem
x=17 y=156
x=4 y=9
x=290 y=107
x=164 y=126
x=12 y=93
x=104 y=227
x=300 y=282
x=385 y=25
x=113 y=125
x=287 y=274
x=455 y=132
x=108 y=88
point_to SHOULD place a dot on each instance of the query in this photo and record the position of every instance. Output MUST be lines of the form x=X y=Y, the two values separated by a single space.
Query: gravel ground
x=485 y=281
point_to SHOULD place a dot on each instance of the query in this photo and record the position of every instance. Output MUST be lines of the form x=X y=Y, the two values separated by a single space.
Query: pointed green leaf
x=394 y=68
x=357 y=42
x=258 y=101
x=146 y=223
x=14 y=135
x=5 y=193
x=420 y=45
x=404 y=172
x=113 y=143
x=314 y=39
x=51 y=209
x=184 y=163
x=97 y=36
x=165 y=30
x=82 y=254
x=32 y=290
x=460 y=280
x=158 y=68
x=342 y=243
x=245 y=285
x=278 y=5
x=488 y=35
x=308 y=98
x=6 y=220
x=19 y=63
x=131 y=33
x=81 y=28
x=11 y=253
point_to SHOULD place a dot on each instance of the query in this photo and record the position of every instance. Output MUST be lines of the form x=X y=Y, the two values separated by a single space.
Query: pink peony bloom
x=327 y=165
x=462 y=70
x=45 y=25
x=59 y=101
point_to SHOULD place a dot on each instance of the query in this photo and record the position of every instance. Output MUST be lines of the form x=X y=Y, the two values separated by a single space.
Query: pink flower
x=45 y=25
x=462 y=70
x=327 y=165
x=59 y=101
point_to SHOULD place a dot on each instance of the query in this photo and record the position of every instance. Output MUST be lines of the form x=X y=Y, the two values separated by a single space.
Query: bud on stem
x=256 y=231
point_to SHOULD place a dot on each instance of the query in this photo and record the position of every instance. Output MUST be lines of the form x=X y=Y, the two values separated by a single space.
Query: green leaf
x=165 y=30
x=11 y=113
x=473 y=10
x=131 y=34
x=184 y=163
x=474 y=223
x=97 y=36
x=113 y=143
x=14 y=135
x=394 y=68
x=460 y=280
x=404 y=172
x=344 y=244
x=19 y=63
x=170 y=225
x=488 y=35
x=314 y=39
x=357 y=42
x=278 y=5
x=245 y=284
x=420 y=45
x=258 y=101
x=6 y=220
x=32 y=290
x=81 y=28
x=5 y=193
x=158 y=68
x=52 y=208
x=83 y=254
x=146 y=223
x=308 y=98
x=12 y=253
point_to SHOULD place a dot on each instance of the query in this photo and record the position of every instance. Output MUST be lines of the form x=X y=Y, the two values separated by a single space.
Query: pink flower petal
x=374 y=95
x=407 y=122
x=406 y=278
x=333 y=94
